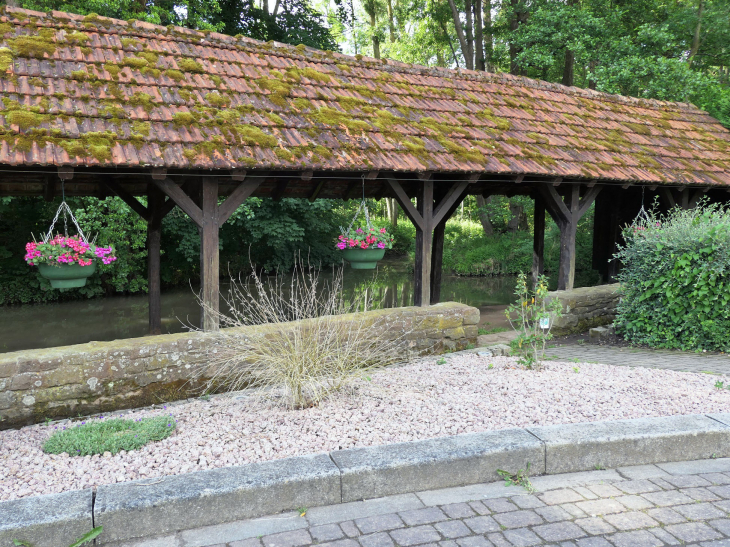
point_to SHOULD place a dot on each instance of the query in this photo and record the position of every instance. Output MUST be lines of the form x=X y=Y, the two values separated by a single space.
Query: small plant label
x=544 y=322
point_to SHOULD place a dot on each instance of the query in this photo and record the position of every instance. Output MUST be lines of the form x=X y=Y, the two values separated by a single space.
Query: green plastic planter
x=66 y=276
x=363 y=259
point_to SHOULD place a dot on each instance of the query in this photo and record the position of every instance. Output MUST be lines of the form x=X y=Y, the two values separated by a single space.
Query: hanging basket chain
x=642 y=214
x=66 y=210
x=362 y=208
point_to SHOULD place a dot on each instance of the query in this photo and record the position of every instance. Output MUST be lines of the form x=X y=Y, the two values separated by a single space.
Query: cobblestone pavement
x=684 y=503
x=635 y=357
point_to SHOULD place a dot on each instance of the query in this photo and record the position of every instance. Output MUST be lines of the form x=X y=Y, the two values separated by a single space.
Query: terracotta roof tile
x=119 y=93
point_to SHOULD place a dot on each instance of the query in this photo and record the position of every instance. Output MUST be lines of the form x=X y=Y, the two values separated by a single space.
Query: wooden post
x=538 y=240
x=424 y=241
x=209 y=270
x=567 y=214
x=447 y=203
x=155 y=203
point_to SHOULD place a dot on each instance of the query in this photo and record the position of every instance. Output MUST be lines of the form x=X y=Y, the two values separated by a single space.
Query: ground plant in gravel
x=87 y=538
x=532 y=317
x=87 y=439
x=675 y=280
x=304 y=350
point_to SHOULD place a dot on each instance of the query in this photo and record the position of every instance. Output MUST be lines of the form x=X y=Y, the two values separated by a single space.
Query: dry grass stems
x=307 y=344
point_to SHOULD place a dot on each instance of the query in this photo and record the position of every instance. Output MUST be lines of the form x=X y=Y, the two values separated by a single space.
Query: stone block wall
x=103 y=376
x=585 y=308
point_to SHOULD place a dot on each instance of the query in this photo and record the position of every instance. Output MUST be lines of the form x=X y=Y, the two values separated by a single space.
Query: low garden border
x=151 y=507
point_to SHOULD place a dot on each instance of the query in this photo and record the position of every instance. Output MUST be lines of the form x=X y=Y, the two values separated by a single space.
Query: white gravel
x=418 y=401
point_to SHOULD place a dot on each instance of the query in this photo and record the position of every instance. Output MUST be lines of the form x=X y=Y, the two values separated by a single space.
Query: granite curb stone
x=613 y=444
x=47 y=521
x=444 y=462
x=215 y=496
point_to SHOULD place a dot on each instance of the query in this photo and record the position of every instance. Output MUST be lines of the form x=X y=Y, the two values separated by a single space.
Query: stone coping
x=139 y=509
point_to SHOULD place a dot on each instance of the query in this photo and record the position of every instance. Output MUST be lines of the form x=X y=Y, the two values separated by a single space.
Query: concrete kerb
x=148 y=508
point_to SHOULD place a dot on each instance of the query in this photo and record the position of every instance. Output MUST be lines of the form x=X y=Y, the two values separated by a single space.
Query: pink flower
x=353 y=243
x=382 y=230
x=341 y=245
x=363 y=245
x=359 y=231
x=381 y=245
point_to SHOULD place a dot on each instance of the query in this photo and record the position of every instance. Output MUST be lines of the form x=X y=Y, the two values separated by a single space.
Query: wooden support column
x=424 y=241
x=155 y=206
x=209 y=270
x=538 y=240
x=209 y=217
x=567 y=214
x=426 y=218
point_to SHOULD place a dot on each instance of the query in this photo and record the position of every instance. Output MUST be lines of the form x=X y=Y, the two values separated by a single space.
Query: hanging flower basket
x=363 y=247
x=67 y=262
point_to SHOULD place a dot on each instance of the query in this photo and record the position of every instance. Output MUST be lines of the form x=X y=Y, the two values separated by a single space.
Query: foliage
x=89 y=536
x=676 y=280
x=113 y=435
x=302 y=351
x=521 y=478
x=532 y=317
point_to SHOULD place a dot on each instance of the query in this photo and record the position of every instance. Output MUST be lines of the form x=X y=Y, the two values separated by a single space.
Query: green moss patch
x=6 y=59
x=189 y=65
x=109 y=436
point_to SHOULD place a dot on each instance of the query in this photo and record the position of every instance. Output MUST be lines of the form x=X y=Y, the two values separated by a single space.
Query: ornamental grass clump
x=307 y=343
x=87 y=439
x=675 y=280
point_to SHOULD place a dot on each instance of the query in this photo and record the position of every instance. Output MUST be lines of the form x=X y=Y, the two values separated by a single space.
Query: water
x=111 y=318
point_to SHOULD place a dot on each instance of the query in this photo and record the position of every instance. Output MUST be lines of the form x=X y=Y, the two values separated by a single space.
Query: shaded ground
x=645 y=506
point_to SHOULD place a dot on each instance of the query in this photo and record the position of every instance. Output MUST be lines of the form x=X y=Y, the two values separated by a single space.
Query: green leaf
x=88 y=536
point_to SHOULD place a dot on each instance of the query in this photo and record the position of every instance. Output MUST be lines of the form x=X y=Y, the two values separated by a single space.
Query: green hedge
x=676 y=281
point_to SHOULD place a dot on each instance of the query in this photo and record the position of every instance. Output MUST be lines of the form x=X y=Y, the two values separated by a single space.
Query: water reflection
x=111 y=318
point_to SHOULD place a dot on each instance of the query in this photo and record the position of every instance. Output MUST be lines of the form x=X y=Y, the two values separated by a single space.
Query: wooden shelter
x=202 y=121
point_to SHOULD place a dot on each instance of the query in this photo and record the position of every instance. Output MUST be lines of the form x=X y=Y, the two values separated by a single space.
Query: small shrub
x=527 y=317
x=676 y=280
x=109 y=436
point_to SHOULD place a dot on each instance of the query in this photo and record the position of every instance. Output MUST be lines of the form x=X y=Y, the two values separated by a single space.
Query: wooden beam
x=209 y=271
x=405 y=202
x=128 y=198
x=473 y=178
x=454 y=195
x=372 y=175
x=49 y=188
x=424 y=175
x=316 y=191
x=181 y=199
x=554 y=203
x=238 y=175
x=65 y=172
x=278 y=192
x=349 y=190
x=627 y=185
x=307 y=175
x=437 y=253
x=424 y=242
x=557 y=181
x=155 y=201
x=591 y=183
x=653 y=187
x=519 y=179
x=538 y=240
x=587 y=200
x=240 y=194
x=159 y=173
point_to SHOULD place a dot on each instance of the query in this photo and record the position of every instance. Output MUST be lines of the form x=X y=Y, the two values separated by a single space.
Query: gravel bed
x=417 y=401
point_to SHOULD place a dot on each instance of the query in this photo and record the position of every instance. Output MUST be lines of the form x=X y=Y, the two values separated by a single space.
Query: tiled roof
x=90 y=91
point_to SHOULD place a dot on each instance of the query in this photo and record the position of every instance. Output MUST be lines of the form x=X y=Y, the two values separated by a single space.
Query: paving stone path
x=685 y=503
x=635 y=357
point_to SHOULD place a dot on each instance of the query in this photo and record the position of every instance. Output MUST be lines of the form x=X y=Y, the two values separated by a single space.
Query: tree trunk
x=460 y=35
x=591 y=68
x=696 y=37
x=469 y=53
x=516 y=211
x=488 y=37
x=568 y=69
x=391 y=22
x=478 y=36
x=514 y=24
x=376 y=40
x=483 y=215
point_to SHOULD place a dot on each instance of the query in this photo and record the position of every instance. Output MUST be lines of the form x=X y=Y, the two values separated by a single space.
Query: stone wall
x=585 y=308
x=102 y=376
